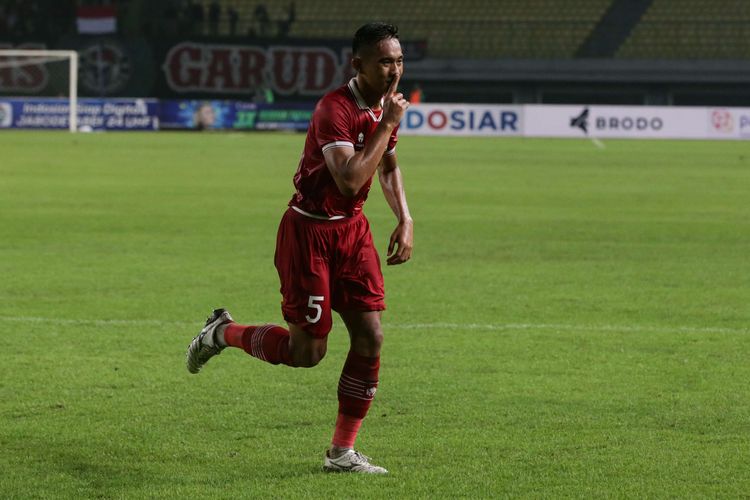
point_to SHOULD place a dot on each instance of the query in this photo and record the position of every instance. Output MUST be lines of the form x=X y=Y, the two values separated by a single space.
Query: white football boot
x=204 y=345
x=351 y=461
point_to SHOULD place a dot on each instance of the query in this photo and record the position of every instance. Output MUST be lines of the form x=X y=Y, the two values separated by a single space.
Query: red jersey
x=341 y=119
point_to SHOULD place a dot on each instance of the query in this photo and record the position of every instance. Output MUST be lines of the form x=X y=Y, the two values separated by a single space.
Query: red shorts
x=326 y=265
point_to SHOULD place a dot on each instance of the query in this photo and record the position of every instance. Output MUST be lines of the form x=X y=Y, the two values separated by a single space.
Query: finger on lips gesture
x=395 y=103
x=394 y=86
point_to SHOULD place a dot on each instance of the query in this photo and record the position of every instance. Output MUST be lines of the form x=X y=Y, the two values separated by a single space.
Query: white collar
x=361 y=104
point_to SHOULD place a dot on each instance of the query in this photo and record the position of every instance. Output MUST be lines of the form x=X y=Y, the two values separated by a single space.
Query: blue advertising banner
x=93 y=114
x=233 y=115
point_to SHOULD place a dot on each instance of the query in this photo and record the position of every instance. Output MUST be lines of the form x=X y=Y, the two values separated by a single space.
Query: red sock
x=346 y=431
x=266 y=342
x=357 y=386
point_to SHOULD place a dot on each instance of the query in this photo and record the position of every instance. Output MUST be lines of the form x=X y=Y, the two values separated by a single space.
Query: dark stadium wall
x=297 y=71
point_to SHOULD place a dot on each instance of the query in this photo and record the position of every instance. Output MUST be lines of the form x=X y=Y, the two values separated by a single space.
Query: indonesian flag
x=96 y=20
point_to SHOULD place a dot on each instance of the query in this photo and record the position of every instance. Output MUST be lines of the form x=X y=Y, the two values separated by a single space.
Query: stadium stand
x=694 y=52
x=472 y=28
x=691 y=29
x=467 y=30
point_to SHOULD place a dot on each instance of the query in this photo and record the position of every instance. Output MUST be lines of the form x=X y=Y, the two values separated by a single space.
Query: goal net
x=39 y=73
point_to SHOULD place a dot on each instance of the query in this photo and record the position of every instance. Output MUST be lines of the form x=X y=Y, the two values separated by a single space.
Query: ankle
x=337 y=451
x=219 y=335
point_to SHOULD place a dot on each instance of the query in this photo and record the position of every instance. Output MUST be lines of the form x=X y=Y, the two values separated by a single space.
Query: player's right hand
x=394 y=104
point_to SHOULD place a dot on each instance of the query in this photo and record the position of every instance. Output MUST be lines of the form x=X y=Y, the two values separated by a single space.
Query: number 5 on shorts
x=312 y=305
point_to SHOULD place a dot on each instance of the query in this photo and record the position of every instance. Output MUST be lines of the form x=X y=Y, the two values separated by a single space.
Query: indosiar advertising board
x=93 y=114
x=233 y=115
x=462 y=119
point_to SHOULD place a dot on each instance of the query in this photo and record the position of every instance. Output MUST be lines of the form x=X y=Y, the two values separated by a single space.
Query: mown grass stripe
x=408 y=326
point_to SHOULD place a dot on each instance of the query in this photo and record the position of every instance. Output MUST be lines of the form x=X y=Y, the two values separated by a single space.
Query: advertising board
x=624 y=122
x=728 y=123
x=233 y=115
x=93 y=114
x=462 y=120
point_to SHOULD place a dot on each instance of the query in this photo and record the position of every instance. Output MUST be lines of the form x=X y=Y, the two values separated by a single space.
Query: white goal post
x=19 y=57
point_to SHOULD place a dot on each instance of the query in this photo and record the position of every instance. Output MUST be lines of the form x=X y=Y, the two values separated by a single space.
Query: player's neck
x=371 y=96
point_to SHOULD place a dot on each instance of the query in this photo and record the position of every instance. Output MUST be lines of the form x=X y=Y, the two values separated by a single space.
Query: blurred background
x=654 y=52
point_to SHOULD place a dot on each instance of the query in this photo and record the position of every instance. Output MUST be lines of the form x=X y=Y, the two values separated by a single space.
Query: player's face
x=379 y=65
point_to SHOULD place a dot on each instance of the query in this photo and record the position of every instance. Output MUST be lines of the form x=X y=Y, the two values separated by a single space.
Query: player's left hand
x=401 y=243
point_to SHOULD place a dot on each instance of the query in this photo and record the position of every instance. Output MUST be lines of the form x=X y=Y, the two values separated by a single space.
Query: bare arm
x=352 y=170
x=402 y=239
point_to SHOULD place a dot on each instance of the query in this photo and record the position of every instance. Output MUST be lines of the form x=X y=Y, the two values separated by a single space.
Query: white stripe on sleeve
x=337 y=144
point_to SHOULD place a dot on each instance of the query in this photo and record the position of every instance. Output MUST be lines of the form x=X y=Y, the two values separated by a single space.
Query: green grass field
x=574 y=322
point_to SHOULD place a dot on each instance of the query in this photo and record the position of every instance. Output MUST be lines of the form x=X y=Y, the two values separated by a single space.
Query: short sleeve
x=331 y=125
x=391 y=149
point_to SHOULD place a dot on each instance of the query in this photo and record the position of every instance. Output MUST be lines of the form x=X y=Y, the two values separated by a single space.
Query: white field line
x=569 y=327
x=95 y=322
x=403 y=326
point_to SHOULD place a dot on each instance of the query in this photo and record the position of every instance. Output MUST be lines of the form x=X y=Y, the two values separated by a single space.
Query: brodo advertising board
x=637 y=122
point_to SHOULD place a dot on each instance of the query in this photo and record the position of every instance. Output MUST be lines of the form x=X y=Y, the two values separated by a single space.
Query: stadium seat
x=472 y=28
x=521 y=29
x=691 y=29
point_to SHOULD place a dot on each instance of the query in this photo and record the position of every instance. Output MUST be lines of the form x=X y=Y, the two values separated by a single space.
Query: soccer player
x=325 y=255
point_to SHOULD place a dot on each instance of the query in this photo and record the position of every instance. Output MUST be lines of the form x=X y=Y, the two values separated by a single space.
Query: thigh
x=358 y=280
x=302 y=263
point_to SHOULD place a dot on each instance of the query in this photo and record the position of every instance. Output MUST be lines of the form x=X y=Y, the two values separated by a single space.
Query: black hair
x=371 y=33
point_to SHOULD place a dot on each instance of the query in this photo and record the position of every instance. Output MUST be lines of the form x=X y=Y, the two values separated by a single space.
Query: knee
x=369 y=341
x=307 y=361
x=307 y=358
x=376 y=338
